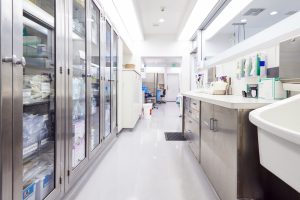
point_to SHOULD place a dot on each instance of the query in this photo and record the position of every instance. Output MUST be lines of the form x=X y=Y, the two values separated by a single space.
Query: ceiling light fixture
x=162 y=20
x=244 y=20
x=127 y=12
x=273 y=13
x=231 y=11
x=200 y=11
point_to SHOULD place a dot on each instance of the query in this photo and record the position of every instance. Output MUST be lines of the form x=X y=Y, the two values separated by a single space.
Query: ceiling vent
x=155 y=25
x=254 y=11
x=291 y=12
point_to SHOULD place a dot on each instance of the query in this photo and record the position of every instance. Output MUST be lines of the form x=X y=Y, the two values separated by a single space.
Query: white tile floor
x=143 y=166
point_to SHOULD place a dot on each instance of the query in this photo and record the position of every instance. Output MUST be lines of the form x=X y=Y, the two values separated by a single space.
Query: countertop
x=229 y=101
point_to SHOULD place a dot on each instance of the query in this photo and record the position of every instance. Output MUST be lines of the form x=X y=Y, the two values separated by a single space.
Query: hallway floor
x=142 y=165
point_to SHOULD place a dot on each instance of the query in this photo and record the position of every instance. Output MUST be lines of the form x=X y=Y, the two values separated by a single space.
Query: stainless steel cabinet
x=219 y=148
x=229 y=154
x=52 y=94
x=191 y=126
x=37 y=111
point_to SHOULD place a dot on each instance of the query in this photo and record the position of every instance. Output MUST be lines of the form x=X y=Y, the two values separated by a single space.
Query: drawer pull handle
x=211 y=123
x=215 y=125
x=195 y=104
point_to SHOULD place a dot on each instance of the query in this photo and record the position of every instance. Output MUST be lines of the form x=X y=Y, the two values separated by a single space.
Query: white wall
x=229 y=69
x=168 y=46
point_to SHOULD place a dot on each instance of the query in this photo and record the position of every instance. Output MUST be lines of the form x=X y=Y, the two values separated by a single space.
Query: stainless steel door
x=94 y=84
x=207 y=140
x=102 y=75
x=114 y=82
x=225 y=152
x=6 y=67
x=107 y=91
x=36 y=100
x=77 y=142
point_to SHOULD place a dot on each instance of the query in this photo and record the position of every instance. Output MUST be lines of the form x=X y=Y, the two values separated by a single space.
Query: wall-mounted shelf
x=271 y=36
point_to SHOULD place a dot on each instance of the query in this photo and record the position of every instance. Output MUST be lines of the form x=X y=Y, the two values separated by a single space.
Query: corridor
x=142 y=165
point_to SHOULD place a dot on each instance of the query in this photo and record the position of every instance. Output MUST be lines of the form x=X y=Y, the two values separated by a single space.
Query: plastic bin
x=147 y=107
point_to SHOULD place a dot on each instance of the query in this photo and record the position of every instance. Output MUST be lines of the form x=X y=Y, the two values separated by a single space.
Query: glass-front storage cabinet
x=58 y=94
x=37 y=107
x=85 y=86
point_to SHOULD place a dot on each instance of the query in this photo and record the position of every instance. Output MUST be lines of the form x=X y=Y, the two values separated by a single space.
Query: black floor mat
x=174 y=136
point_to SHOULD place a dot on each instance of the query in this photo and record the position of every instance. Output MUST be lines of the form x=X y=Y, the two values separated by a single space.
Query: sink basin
x=279 y=139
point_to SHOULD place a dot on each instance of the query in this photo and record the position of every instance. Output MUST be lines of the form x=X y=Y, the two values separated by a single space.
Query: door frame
x=6 y=107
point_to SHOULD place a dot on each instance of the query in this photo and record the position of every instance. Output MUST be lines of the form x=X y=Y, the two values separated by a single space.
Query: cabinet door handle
x=211 y=123
x=215 y=125
x=190 y=121
x=190 y=112
x=195 y=103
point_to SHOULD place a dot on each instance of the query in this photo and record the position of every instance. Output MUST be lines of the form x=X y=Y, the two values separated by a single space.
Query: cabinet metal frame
x=18 y=103
x=6 y=107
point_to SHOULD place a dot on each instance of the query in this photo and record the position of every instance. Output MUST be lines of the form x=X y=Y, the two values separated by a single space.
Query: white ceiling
x=162 y=61
x=175 y=15
x=264 y=20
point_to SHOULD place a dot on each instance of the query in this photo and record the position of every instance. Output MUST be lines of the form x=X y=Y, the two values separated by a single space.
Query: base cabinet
x=219 y=148
x=224 y=142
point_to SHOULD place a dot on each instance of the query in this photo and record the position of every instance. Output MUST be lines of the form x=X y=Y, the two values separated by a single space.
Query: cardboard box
x=129 y=66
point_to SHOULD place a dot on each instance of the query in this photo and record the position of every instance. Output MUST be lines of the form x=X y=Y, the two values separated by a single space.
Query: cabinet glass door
x=114 y=81
x=95 y=78
x=39 y=107
x=107 y=91
x=78 y=104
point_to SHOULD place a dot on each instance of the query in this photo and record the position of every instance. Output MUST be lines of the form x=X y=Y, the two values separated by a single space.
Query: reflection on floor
x=143 y=166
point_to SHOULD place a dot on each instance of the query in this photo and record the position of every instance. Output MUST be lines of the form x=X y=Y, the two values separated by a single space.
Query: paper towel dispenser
x=289 y=60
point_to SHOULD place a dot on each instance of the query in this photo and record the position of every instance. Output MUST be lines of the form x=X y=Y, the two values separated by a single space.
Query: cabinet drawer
x=193 y=136
x=192 y=125
x=194 y=114
x=195 y=104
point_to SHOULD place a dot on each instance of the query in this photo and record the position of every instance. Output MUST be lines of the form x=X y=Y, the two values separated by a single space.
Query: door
x=107 y=92
x=77 y=90
x=172 y=87
x=225 y=152
x=37 y=99
x=94 y=83
x=114 y=81
x=207 y=140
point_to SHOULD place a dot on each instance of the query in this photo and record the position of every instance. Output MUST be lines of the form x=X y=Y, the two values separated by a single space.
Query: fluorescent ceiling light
x=161 y=20
x=197 y=16
x=231 y=11
x=129 y=16
x=244 y=20
x=273 y=13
